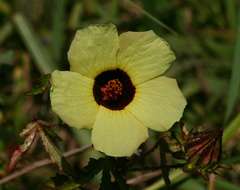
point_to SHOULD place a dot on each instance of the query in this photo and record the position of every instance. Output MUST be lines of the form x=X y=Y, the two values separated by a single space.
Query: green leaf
x=63 y=182
x=42 y=85
x=231 y=12
x=53 y=151
x=49 y=142
x=39 y=52
x=107 y=165
x=106 y=180
x=55 y=140
x=93 y=168
x=234 y=88
x=120 y=183
x=53 y=136
x=70 y=186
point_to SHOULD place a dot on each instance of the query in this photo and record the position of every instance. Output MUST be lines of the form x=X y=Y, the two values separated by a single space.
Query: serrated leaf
x=48 y=139
x=31 y=134
x=52 y=150
x=29 y=128
x=29 y=140
x=41 y=129
x=52 y=135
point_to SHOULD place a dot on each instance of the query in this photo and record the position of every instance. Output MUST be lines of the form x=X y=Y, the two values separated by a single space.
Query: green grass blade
x=5 y=31
x=75 y=16
x=231 y=160
x=151 y=17
x=7 y=57
x=234 y=88
x=58 y=22
x=114 y=10
x=190 y=183
x=231 y=129
x=231 y=12
x=42 y=58
x=223 y=184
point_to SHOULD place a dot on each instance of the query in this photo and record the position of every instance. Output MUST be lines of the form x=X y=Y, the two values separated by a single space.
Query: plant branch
x=41 y=163
x=174 y=166
x=163 y=161
x=144 y=177
x=212 y=182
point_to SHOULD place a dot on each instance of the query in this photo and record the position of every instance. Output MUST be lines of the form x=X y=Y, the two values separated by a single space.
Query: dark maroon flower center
x=113 y=89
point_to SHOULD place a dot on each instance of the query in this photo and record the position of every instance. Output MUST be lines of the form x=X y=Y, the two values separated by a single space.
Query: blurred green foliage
x=35 y=36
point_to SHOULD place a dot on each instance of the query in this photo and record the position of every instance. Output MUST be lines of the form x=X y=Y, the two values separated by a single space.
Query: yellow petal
x=117 y=133
x=94 y=50
x=158 y=103
x=72 y=98
x=143 y=55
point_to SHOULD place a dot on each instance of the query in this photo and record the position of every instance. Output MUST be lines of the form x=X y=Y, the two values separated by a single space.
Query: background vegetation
x=34 y=39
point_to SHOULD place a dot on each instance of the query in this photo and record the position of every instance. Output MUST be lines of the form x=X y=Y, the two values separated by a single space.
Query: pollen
x=112 y=90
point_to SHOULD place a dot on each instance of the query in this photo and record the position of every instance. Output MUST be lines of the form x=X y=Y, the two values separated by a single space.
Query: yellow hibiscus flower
x=115 y=87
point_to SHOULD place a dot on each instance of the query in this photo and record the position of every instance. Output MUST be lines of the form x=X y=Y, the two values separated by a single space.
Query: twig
x=175 y=176
x=144 y=177
x=41 y=163
x=212 y=182
x=163 y=161
x=175 y=166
